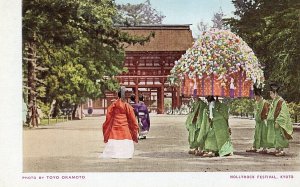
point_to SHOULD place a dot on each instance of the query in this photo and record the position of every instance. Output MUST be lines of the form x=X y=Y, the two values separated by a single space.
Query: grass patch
x=53 y=121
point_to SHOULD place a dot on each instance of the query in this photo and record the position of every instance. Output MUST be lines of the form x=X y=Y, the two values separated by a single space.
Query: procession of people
x=209 y=132
x=273 y=123
x=221 y=64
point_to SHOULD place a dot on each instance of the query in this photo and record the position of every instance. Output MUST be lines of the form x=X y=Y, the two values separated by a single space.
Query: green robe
x=202 y=134
x=260 y=135
x=194 y=127
x=279 y=136
x=218 y=137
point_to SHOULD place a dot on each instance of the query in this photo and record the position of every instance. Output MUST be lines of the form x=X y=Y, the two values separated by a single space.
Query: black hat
x=210 y=98
x=132 y=97
x=257 y=91
x=274 y=87
x=141 y=98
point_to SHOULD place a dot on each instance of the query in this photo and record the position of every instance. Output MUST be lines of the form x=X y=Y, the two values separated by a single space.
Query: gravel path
x=75 y=146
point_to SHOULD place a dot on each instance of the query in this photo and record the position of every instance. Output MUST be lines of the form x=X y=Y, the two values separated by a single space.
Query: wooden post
x=136 y=93
x=150 y=101
x=173 y=98
x=158 y=100
x=178 y=100
x=136 y=90
x=162 y=99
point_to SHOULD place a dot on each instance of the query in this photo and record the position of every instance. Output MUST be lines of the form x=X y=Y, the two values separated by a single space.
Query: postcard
x=149 y=93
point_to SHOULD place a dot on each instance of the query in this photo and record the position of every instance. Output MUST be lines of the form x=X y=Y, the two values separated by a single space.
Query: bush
x=241 y=106
x=294 y=109
x=245 y=107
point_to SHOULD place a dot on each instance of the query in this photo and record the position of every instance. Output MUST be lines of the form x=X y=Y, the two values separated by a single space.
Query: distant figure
x=144 y=118
x=120 y=129
x=132 y=99
x=35 y=114
x=134 y=106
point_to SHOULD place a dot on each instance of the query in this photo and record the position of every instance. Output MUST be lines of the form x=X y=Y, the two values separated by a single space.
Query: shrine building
x=148 y=67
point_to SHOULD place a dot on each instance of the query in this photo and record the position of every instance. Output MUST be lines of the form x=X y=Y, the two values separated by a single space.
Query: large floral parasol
x=219 y=63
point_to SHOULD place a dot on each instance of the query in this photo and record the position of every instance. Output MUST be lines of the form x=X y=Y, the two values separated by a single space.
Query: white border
x=11 y=133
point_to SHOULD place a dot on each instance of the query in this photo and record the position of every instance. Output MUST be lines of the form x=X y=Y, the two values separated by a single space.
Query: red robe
x=120 y=122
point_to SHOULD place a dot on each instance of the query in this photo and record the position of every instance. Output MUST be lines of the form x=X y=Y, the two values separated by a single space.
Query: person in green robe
x=281 y=128
x=203 y=129
x=260 y=112
x=193 y=124
x=218 y=141
x=189 y=126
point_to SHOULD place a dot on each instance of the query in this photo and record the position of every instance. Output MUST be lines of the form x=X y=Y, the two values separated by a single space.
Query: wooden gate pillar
x=160 y=100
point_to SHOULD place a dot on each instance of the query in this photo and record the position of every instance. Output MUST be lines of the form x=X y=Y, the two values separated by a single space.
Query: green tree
x=77 y=43
x=242 y=106
x=272 y=30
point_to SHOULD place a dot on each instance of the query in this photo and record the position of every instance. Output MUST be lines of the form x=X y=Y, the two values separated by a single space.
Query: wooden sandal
x=252 y=150
x=281 y=153
x=274 y=152
x=264 y=151
x=209 y=154
x=199 y=153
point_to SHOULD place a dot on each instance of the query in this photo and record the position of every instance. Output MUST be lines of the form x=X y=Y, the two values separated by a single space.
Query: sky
x=188 y=11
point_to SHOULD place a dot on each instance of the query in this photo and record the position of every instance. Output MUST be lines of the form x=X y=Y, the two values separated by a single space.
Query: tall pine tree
x=272 y=30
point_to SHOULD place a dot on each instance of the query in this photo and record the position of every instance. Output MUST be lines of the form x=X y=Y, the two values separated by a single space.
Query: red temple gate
x=150 y=64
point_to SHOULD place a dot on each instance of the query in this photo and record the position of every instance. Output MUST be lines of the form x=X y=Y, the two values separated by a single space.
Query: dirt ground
x=75 y=146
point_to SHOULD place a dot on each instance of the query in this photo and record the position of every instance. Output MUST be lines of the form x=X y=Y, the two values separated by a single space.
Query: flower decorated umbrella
x=219 y=63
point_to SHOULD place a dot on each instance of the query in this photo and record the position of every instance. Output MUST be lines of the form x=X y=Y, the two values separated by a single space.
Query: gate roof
x=167 y=37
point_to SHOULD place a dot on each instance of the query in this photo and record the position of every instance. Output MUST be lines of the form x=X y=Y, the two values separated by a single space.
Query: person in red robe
x=120 y=129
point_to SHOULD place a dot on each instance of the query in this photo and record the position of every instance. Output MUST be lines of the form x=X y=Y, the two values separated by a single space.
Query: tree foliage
x=272 y=30
x=138 y=14
x=242 y=106
x=76 y=44
x=217 y=20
